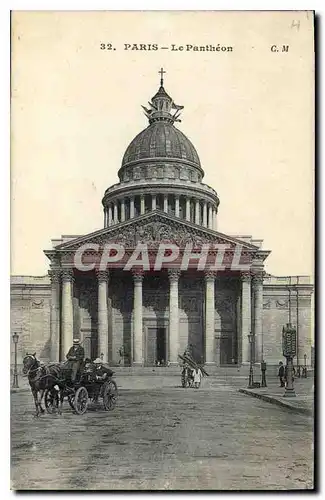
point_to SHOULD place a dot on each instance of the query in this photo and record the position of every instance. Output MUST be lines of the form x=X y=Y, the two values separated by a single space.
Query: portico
x=152 y=314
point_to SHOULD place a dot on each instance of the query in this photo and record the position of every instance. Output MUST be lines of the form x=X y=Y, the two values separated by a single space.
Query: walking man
x=281 y=374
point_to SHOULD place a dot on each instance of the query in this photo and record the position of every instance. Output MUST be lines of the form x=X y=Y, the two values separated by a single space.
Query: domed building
x=159 y=277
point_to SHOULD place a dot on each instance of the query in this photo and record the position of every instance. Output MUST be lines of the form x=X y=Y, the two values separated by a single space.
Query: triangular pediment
x=154 y=228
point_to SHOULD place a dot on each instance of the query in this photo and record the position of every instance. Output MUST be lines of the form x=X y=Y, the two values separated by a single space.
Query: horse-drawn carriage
x=93 y=384
x=189 y=364
x=54 y=382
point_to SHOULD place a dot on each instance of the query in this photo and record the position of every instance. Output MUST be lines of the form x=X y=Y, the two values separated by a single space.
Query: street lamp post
x=251 y=374
x=15 y=339
x=305 y=366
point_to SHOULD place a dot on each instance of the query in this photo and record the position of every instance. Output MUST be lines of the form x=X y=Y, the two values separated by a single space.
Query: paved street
x=161 y=436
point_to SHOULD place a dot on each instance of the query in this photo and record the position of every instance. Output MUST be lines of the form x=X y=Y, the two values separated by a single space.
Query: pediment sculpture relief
x=152 y=233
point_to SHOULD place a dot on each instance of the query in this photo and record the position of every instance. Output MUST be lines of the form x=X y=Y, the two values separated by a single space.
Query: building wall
x=30 y=316
x=277 y=304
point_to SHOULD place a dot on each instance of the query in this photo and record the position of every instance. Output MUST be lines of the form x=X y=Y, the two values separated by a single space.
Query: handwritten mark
x=295 y=24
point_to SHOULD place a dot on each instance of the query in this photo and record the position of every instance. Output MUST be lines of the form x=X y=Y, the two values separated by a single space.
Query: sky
x=248 y=112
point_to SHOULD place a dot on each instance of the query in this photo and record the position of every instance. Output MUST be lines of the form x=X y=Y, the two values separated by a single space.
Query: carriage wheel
x=51 y=399
x=109 y=393
x=81 y=400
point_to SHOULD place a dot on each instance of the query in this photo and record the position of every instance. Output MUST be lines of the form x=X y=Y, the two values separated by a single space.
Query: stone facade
x=31 y=313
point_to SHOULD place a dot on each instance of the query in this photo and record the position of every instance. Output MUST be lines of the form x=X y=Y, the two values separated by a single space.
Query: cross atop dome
x=161 y=72
x=162 y=104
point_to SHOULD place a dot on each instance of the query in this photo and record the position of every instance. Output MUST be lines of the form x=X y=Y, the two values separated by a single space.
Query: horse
x=42 y=377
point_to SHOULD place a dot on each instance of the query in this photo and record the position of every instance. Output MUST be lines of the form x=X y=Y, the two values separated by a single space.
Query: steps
x=171 y=370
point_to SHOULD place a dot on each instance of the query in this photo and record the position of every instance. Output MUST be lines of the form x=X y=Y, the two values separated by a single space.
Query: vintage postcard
x=162 y=199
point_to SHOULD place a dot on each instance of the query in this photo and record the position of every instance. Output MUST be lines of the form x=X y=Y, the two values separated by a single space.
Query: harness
x=39 y=368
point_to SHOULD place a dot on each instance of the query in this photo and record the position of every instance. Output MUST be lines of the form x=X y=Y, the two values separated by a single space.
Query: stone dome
x=161 y=139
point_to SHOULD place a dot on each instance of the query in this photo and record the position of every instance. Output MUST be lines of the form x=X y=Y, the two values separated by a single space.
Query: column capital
x=138 y=275
x=174 y=274
x=102 y=275
x=210 y=275
x=258 y=277
x=55 y=275
x=245 y=277
x=67 y=275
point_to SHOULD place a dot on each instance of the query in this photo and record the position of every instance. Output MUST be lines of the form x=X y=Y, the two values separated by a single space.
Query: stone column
x=205 y=214
x=197 y=212
x=110 y=216
x=67 y=312
x=153 y=202
x=215 y=225
x=105 y=218
x=137 y=319
x=176 y=206
x=122 y=210
x=245 y=315
x=102 y=345
x=188 y=209
x=209 y=318
x=55 y=315
x=131 y=207
x=173 y=275
x=217 y=349
x=258 y=316
x=142 y=205
x=210 y=221
x=165 y=203
x=115 y=213
x=214 y=222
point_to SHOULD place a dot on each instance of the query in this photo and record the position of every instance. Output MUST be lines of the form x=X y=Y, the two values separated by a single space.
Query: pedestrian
x=121 y=354
x=281 y=374
x=197 y=375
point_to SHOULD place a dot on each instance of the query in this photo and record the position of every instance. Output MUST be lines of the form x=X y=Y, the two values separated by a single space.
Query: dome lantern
x=162 y=106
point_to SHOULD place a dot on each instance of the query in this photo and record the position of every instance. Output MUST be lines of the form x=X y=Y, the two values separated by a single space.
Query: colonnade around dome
x=184 y=207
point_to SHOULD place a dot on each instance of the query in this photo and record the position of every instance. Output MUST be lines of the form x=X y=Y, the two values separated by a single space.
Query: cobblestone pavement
x=161 y=436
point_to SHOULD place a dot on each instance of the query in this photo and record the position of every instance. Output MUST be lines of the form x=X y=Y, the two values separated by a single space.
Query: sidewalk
x=302 y=403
